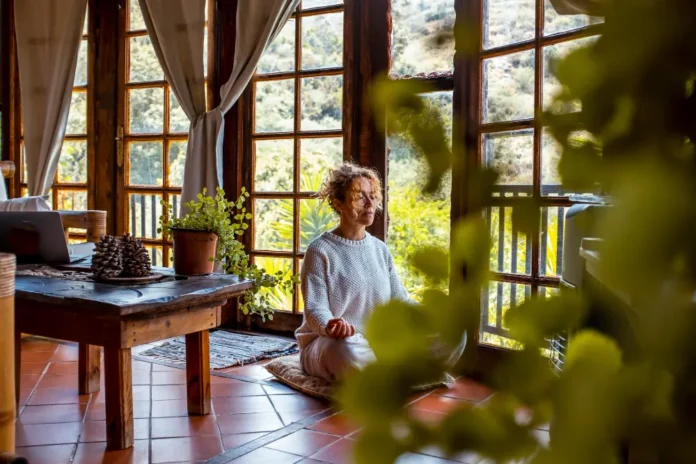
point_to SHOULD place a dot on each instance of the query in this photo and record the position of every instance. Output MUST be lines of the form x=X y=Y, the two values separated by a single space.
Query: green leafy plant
x=636 y=87
x=316 y=216
x=227 y=219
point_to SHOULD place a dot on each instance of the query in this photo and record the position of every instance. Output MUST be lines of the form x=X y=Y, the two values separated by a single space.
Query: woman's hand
x=339 y=329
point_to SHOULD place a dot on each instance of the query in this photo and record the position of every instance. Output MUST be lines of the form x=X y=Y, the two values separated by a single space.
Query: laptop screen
x=34 y=237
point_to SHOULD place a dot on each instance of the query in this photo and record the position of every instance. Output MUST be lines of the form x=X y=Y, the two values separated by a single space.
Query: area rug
x=227 y=349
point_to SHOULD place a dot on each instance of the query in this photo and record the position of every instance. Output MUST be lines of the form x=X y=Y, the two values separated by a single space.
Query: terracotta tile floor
x=58 y=426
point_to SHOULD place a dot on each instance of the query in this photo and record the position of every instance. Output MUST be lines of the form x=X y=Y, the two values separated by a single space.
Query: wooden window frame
x=469 y=83
x=124 y=138
x=297 y=134
x=8 y=88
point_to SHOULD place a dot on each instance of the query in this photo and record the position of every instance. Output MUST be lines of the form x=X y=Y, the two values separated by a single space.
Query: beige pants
x=330 y=359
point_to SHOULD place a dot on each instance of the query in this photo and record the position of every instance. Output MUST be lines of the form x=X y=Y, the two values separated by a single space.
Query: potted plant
x=208 y=234
x=200 y=234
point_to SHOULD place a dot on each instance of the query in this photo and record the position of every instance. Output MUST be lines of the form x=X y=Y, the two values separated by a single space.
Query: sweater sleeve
x=315 y=292
x=398 y=291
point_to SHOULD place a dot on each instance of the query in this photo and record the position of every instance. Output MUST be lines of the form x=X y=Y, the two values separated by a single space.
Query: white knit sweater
x=345 y=278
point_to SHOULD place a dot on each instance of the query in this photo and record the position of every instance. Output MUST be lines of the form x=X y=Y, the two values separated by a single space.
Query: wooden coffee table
x=118 y=318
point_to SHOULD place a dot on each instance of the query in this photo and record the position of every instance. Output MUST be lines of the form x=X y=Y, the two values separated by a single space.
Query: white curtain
x=574 y=7
x=176 y=29
x=48 y=41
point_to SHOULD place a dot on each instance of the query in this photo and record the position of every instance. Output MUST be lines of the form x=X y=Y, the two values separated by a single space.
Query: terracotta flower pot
x=193 y=250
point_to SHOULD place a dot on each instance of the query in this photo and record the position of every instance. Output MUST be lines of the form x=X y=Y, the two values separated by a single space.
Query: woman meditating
x=345 y=274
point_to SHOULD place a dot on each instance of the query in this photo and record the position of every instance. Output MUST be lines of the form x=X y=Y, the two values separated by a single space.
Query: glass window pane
x=551 y=151
x=300 y=300
x=23 y=171
x=177 y=158
x=273 y=165
x=277 y=297
x=500 y=297
x=143 y=215
x=550 y=156
x=72 y=200
x=175 y=201
x=551 y=243
x=551 y=86
x=77 y=116
x=273 y=225
x=136 y=21
x=415 y=28
x=511 y=154
x=508 y=87
x=322 y=103
x=81 y=69
x=310 y=4
x=145 y=160
x=146 y=110
x=316 y=217
x=501 y=341
x=511 y=252
x=169 y=262
x=322 y=41
x=317 y=157
x=275 y=106
x=157 y=256
x=144 y=65
x=85 y=26
x=508 y=22
x=72 y=164
x=178 y=121
x=406 y=165
x=415 y=218
x=280 y=55
x=555 y=23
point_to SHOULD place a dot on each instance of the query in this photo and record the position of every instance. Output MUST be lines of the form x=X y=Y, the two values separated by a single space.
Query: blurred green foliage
x=635 y=88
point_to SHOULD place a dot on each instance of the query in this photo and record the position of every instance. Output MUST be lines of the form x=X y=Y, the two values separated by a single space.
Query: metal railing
x=144 y=219
x=515 y=242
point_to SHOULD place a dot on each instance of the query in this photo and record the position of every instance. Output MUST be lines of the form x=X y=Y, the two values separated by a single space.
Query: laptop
x=37 y=237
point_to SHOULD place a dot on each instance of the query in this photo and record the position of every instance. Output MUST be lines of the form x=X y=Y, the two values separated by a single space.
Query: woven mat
x=227 y=349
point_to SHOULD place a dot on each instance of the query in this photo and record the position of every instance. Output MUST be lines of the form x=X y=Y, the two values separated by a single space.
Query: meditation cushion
x=288 y=370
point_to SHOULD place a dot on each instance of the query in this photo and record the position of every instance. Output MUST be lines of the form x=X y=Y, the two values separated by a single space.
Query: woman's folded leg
x=331 y=359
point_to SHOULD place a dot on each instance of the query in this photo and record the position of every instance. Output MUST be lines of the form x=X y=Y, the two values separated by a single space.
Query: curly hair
x=336 y=186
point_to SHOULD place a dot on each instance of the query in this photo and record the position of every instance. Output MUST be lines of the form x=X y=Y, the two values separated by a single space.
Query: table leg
x=119 y=398
x=198 y=372
x=88 y=368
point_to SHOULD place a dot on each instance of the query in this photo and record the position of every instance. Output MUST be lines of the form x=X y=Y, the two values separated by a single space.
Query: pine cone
x=136 y=259
x=107 y=260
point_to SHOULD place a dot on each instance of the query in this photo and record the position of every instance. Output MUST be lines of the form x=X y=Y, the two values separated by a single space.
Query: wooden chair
x=93 y=223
